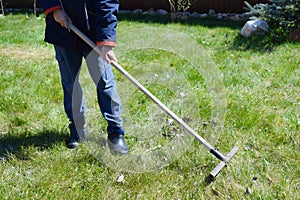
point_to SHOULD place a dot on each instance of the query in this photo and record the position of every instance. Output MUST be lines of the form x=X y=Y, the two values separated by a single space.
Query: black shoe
x=73 y=141
x=77 y=136
x=117 y=144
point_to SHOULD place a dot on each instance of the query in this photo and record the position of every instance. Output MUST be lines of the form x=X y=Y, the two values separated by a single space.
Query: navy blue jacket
x=95 y=18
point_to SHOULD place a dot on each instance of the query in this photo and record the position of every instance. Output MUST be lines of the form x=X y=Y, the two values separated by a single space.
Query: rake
x=212 y=150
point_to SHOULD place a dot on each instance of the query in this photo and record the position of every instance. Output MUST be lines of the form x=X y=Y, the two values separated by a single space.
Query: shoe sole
x=73 y=145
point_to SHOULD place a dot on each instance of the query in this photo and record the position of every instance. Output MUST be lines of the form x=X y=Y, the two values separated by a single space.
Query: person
x=97 y=19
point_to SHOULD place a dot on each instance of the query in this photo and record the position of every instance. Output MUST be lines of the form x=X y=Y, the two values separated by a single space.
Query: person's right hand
x=60 y=18
x=108 y=54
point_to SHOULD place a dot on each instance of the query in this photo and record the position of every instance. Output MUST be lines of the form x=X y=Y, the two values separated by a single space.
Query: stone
x=136 y=11
x=219 y=16
x=124 y=11
x=162 y=12
x=195 y=14
x=249 y=191
x=121 y=179
x=203 y=15
x=150 y=11
x=211 y=12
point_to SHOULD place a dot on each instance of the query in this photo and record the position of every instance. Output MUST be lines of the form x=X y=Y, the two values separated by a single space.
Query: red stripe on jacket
x=52 y=9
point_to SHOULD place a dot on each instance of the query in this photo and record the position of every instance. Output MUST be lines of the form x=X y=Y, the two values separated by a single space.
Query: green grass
x=263 y=119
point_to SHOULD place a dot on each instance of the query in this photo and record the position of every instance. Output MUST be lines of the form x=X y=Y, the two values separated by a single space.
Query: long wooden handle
x=151 y=96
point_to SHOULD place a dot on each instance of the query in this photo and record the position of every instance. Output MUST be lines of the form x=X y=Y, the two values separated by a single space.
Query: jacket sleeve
x=49 y=5
x=106 y=22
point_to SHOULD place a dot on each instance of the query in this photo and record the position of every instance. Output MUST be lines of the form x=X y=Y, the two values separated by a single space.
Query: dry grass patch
x=20 y=52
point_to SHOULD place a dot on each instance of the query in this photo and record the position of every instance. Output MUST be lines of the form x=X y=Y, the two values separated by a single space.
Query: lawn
x=241 y=92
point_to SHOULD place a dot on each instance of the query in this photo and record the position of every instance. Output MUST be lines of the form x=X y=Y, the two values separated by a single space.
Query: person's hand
x=61 y=18
x=107 y=53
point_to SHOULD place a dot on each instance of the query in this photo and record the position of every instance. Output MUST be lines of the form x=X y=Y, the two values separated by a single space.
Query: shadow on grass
x=259 y=43
x=192 y=21
x=17 y=144
x=158 y=19
x=255 y=43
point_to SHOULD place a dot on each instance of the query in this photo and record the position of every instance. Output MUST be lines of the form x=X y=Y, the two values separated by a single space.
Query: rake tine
x=223 y=163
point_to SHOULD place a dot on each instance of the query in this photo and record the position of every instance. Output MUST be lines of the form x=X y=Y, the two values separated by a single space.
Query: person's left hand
x=107 y=53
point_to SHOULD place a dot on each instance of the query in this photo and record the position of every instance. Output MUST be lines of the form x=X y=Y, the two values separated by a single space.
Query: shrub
x=180 y=5
x=283 y=16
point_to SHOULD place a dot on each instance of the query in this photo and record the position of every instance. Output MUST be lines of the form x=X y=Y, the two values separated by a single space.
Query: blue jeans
x=70 y=62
